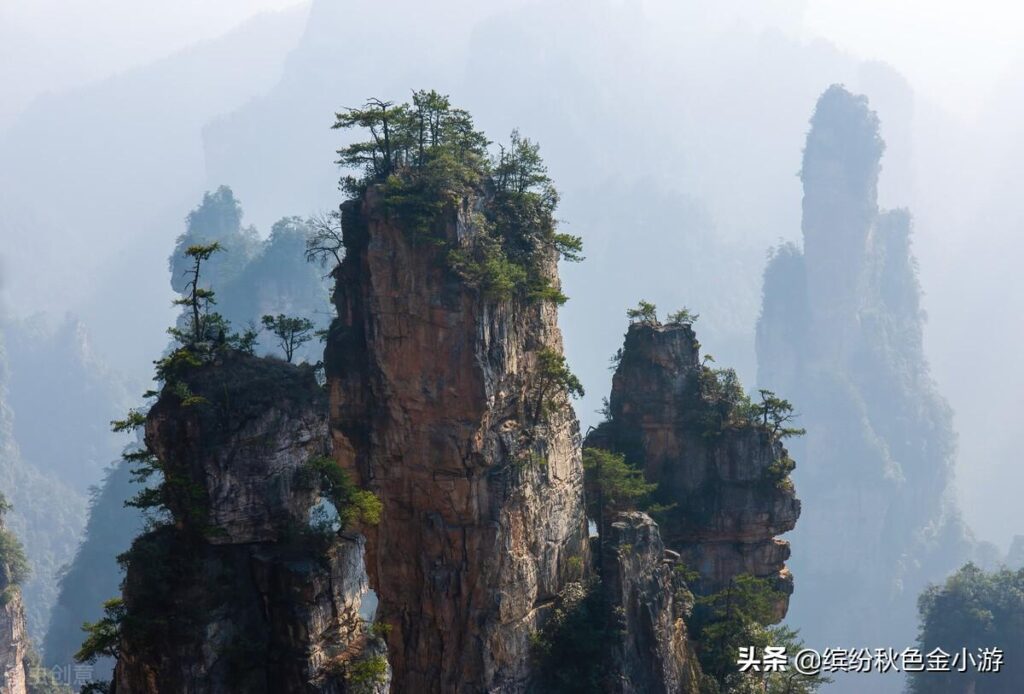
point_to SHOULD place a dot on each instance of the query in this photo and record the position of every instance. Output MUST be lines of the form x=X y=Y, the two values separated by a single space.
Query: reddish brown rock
x=730 y=499
x=433 y=398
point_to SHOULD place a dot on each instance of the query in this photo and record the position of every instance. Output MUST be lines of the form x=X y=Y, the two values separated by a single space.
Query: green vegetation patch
x=14 y=567
x=428 y=160
x=354 y=504
x=574 y=650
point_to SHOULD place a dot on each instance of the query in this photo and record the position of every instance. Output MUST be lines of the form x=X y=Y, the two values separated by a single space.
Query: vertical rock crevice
x=14 y=639
x=654 y=653
x=243 y=590
x=721 y=474
x=436 y=407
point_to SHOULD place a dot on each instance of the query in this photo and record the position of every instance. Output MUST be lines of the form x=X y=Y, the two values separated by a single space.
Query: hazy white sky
x=953 y=52
x=53 y=45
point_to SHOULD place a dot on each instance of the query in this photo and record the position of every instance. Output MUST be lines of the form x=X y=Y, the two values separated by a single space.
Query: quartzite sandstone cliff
x=727 y=484
x=447 y=399
x=14 y=640
x=240 y=593
x=433 y=392
x=654 y=654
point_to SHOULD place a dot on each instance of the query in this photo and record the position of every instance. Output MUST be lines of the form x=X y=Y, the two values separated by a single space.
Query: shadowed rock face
x=729 y=503
x=433 y=407
x=262 y=421
x=654 y=655
x=239 y=593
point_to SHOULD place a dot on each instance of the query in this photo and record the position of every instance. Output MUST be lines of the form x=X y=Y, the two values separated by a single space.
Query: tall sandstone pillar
x=433 y=391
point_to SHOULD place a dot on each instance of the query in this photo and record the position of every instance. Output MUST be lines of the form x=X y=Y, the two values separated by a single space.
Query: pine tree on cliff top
x=428 y=158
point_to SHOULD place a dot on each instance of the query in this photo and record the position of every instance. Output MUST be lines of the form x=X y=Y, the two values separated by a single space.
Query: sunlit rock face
x=729 y=502
x=14 y=639
x=433 y=407
x=840 y=334
x=654 y=653
x=238 y=592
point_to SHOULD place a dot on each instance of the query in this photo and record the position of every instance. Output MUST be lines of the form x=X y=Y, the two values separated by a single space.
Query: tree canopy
x=645 y=312
x=776 y=415
x=198 y=299
x=429 y=159
x=739 y=616
x=553 y=377
x=974 y=610
x=291 y=332
x=612 y=486
x=683 y=316
x=14 y=567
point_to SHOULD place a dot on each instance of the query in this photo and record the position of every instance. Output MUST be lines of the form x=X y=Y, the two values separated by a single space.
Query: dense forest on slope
x=972 y=625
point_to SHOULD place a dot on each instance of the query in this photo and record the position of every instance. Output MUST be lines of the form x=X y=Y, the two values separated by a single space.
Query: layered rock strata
x=14 y=640
x=241 y=592
x=434 y=406
x=641 y=583
x=725 y=485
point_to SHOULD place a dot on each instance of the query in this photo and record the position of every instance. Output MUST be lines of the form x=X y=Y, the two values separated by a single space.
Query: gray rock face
x=655 y=655
x=14 y=639
x=434 y=395
x=248 y=596
x=14 y=642
x=727 y=482
x=247 y=456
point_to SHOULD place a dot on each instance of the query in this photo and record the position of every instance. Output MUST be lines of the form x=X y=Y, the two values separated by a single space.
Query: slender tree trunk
x=196 y=326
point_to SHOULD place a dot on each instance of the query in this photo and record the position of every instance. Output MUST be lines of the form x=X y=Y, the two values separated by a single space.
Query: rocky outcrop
x=841 y=334
x=722 y=474
x=434 y=393
x=654 y=654
x=14 y=639
x=13 y=642
x=241 y=592
x=245 y=445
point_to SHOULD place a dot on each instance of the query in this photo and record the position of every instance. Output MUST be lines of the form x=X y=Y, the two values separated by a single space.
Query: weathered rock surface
x=240 y=593
x=730 y=500
x=14 y=640
x=433 y=406
x=245 y=447
x=655 y=655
